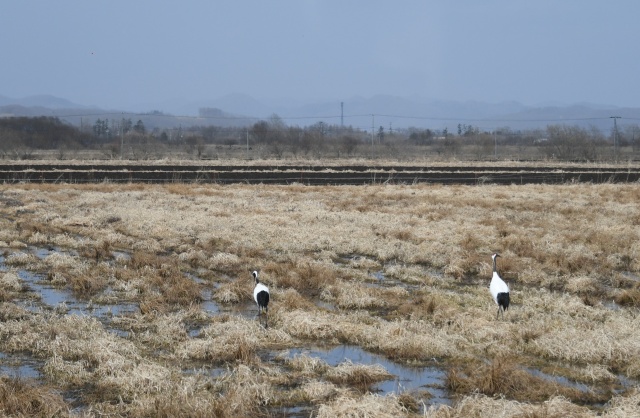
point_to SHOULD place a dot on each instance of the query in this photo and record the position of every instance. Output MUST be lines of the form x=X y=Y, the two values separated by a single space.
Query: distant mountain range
x=46 y=101
x=81 y=115
x=389 y=112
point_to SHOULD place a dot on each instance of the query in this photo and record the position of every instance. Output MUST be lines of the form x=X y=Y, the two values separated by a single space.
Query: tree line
x=24 y=137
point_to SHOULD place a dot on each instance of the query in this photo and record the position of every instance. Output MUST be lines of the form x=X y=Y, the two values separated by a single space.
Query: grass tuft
x=628 y=297
x=308 y=279
x=366 y=406
x=20 y=398
x=503 y=377
x=358 y=375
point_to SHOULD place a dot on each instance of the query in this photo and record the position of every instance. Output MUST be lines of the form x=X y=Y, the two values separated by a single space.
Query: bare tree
x=349 y=144
x=571 y=143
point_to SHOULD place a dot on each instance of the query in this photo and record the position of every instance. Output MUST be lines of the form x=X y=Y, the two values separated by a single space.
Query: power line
x=342 y=117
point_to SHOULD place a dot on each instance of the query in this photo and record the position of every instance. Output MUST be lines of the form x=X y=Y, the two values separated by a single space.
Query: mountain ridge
x=382 y=110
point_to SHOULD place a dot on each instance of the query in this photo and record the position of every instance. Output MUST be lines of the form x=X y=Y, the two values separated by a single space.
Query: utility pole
x=372 y=133
x=121 y=135
x=342 y=114
x=495 y=145
x=121 y=139
x=615 y=137
x=247 y=143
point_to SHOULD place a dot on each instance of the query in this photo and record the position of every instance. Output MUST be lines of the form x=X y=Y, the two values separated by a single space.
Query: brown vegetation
x=401 y=271
x=20 y=398
x=504 y=377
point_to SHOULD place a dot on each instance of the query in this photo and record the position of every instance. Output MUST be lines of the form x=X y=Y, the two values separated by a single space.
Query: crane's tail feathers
x=503 y=300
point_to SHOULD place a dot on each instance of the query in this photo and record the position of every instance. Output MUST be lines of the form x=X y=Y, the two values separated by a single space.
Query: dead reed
x=368 y=405
x=357 y=375
x=21 y=398
x=399 y=270
x=504 y=377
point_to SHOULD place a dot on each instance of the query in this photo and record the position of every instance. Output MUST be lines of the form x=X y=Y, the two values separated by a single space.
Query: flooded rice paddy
x=421 y=380
x=40 y=295
x=114 y=296
x=427 y=384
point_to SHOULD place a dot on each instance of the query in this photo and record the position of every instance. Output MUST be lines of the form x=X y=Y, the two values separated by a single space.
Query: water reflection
x=407 y=379
x=19 y=367
x=564 y=381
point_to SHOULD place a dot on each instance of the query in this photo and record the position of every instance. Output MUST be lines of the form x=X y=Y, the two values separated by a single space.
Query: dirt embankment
x=313 y=174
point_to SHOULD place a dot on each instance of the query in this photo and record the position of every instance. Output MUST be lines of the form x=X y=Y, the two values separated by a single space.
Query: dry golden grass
x=229 y=338
x=401 y=271
x=483 y=406
x=11 y=282
x=20 y=398
x=357 y=375
x=504 y=377
x=306 y=278
x=367 y=406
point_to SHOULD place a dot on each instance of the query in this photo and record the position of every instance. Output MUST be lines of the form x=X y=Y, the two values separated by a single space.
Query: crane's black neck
x=494 y=264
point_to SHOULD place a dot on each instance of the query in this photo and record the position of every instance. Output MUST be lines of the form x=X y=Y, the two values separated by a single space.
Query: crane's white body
x=499 y=289
x=260 y=294
x=497 y=286
x=259 y=288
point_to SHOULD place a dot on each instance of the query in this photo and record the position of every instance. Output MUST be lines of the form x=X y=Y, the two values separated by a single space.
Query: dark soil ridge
x=311 y=175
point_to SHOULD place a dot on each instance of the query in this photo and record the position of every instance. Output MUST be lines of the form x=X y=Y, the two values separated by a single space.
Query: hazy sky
x=123 y=53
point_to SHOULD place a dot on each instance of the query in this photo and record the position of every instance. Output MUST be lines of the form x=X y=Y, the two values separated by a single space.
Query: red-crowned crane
x=499 y=289
x=261 y=295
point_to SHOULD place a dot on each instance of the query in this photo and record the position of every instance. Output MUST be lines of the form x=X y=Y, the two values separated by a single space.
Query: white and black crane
x=499 y=289
x=261 y=295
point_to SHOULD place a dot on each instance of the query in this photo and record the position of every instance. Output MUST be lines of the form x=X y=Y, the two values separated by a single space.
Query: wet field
x=427 y=383
x=114 y=295
x=39 y=295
